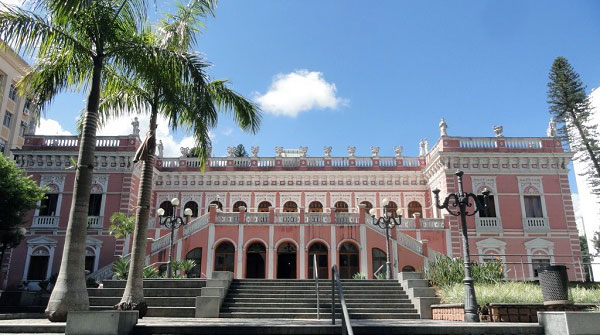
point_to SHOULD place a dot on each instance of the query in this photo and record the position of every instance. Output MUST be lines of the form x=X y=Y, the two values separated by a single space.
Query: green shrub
x=150 y=272
x=121 y=268
x=445 y=271
x=359 y=275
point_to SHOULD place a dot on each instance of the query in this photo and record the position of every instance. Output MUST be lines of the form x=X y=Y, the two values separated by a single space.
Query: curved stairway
x=296 y=299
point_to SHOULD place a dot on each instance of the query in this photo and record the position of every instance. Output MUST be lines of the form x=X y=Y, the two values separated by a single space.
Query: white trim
x=302 y=251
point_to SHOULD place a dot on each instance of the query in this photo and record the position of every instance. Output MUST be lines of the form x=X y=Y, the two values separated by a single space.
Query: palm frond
x=246 y=113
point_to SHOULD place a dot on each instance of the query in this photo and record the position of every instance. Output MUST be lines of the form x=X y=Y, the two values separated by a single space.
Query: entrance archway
x=348 y=260
x=286 y=261
x=320 y=250
x=225 y=257
x=255 y=260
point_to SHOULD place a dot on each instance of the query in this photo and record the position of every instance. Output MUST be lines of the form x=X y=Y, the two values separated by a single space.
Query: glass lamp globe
x=175 y=202
x=399 y=212
x=372 y=211
x=385 y=202
x=160 y=212
x=188 y=212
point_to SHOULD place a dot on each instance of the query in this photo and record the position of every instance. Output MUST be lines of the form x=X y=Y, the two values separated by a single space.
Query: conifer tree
x=571 y=107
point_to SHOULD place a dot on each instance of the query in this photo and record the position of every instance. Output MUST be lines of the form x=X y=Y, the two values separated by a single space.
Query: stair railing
x=316 y=276
x=335 y=281
x=378 y=270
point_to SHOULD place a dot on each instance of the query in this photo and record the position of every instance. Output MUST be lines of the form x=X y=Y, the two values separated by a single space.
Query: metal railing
x=316 y=275
x=378 y=270
x=335 y=281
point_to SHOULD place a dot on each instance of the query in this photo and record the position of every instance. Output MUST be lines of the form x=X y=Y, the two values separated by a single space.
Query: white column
x=50 y=262
x=364 y=265
x=179 y=249
x=210 y=251
x=240 y=251
x=333 y=250
x=271 y=251
x=302 y=254
x=396 y=264
x=97 y=257
x=27 y=260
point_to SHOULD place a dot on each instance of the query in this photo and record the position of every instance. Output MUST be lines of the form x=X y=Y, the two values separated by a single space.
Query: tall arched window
x=367 y=204
x=290 y=206
x=341 y=207
x=196 y=256
x=348 y=260
x=318 y=250
x=392 y=207
x=238 y=204
x=378 y=258
x=315 y=207
x=218 y=203
x=168 y=207
x=49 y=204
x=193 y=206
x=414 y=207
x=225 y=257
x=263 y=206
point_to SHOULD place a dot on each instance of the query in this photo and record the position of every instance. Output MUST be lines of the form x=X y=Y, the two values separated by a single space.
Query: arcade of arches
x=286 y=260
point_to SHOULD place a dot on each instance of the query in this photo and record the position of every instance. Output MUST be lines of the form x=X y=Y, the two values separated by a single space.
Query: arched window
x=341 y=207
x=225 y=257
x=367 y=204
x=256 y=260
x=392 y=207
x=218 y=203
x=196 y=256
x=414 y=207
x=263 y=207
x=168 y=207
x=318 y=250
x=193 y=206
x=315 y=207
x=238 y=204
x=290 y=206
x=378 y=259
x=38 y=264
x=408 y=268
x=348 y=260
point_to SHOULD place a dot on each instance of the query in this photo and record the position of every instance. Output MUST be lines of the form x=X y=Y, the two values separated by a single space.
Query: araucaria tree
x=73 y=43
x=18 y=196
x=571 y=107
x=189 y=102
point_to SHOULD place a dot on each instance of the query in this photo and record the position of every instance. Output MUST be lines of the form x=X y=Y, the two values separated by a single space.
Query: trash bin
x=554 y=282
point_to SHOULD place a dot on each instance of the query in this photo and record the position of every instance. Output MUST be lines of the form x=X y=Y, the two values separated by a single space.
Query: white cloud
x=12 y=2
x=50 y=127
x=122 y=126
x=227 y=131
x=299 y=91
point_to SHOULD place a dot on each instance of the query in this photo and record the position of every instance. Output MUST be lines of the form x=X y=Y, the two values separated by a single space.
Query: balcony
x=95 y=222
x=45 y=222
x=488 y=224
x=536 y=225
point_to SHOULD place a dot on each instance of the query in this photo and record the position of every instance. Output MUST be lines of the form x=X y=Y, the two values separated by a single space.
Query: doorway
x=255 y=261
x=320 y=251
x=286 y=261
x=348 y=260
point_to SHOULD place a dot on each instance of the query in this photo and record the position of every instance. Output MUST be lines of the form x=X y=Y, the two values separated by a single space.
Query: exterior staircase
x=296 y=299
x=165 y=297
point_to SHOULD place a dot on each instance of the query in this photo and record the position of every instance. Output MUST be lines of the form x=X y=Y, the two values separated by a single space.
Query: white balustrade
x=346 y=218
x=387 y=161
x=45 y=222
x=73 y=141
x=257 y=217
x=287 y=217
x=407 y=223
x=95 y=222
x=488 y=224
x=196 y=225
x=266 y=162
x=411 y=161
x=363 y=162
x=536 y=224
x=242 y=162
x=228 y=217
x=170 y=163
x=431 y=223
x=340 y=162
x=315 y=162
x=161 y=243
x=316 y=217
x=290 y=162
x=523 y=143
x=479 y=143
x=217 y=162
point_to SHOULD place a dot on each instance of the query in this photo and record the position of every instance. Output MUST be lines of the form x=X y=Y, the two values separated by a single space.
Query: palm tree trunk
x=70 y=293
x=133 y=297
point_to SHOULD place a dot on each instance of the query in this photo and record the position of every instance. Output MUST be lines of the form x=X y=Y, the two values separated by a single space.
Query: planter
x=502 y=312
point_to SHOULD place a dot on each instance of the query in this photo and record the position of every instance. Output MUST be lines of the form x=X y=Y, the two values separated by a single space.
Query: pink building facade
x=270 y=217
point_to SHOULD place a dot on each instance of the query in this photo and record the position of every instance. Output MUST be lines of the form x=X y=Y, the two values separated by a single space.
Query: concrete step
x=148 y=292
x=313 y=296
x=294 y=309
x=313 y=304
x=410 y=283
x=159 y=283
x=410 y=275
x=279 y=315
x=312 y=291
x=159 y=312
x=151 y=301
x=313 y=299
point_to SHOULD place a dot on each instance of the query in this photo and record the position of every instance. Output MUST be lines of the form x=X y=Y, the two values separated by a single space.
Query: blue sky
x=397 y=68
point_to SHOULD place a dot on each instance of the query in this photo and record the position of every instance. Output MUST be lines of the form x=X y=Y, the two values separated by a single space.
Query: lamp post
x=386 y=222
x=172 y=222
x=457 y=204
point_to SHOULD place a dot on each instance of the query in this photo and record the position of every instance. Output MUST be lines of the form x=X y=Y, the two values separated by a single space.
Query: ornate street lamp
x=386 y=222
x=457 y=204
x=172 y=222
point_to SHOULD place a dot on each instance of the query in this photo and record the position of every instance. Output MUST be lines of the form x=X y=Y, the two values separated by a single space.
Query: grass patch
x=515 y=292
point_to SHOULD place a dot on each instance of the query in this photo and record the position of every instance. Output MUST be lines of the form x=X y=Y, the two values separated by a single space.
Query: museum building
x=271 y=216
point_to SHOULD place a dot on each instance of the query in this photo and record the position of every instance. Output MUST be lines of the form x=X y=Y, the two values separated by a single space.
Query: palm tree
x=73 y=43
x=193 y=106
x=122 y=225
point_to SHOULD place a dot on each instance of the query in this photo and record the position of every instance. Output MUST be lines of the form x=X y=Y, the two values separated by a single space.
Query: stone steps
x=159 y=283
x=148 y=292
x=296 y=299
